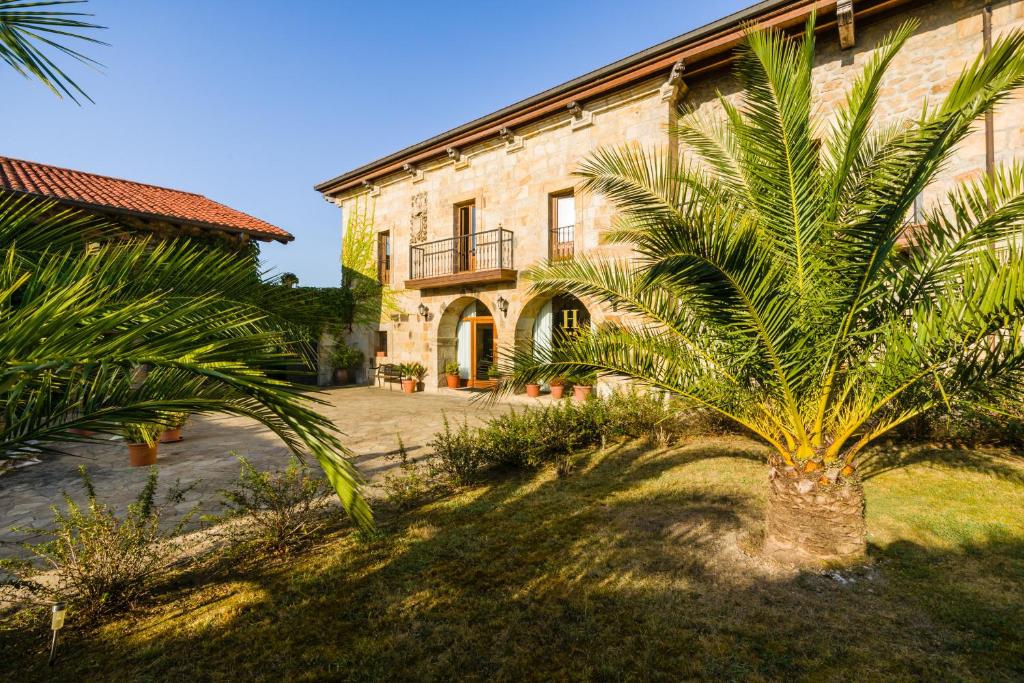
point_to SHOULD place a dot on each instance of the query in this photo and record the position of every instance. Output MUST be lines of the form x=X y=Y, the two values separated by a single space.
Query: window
x=384 y=257
x=465 y=237
x=382 y=342
x=563 y=225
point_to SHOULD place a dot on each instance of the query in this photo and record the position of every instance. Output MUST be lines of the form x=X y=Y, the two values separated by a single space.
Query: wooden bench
x=389 y=374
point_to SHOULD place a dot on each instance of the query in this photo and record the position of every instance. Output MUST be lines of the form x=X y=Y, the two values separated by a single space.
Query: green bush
x=1001 y=426
x=554 y=434
x=101 y=562
x=344 y=356
x=412 y=483
x=459 y=454
x=277 y=510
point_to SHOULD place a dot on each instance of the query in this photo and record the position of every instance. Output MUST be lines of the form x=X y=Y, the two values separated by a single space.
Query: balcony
x=480 y=258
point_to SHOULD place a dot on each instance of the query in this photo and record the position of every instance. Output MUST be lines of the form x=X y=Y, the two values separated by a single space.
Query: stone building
x=461 y=215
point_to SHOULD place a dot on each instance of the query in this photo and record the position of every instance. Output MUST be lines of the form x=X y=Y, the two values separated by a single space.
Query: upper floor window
x=563 y=225
x=384 y=257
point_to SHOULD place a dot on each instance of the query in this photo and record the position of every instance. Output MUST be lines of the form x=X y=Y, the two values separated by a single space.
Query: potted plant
x=494 y=374
x=343 y=359
x=451 y=374
x=557 y=387
x=419 y=371
x=533 y=389
x=412 y=375
x=142 y=442
x=172 y=427
x=582 y=386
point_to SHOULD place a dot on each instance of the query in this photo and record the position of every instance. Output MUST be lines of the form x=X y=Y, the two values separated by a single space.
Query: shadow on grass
x=998 y=463
x=632 y=568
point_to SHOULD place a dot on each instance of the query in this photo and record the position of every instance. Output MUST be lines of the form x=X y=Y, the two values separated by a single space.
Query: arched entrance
x=467 y=335
x=547 y=319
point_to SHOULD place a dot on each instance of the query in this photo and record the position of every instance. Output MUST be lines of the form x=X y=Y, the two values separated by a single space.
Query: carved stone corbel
x=415 y=173
x=844 y=18
x=513 y=142
x=581 y=118
x=675 y=88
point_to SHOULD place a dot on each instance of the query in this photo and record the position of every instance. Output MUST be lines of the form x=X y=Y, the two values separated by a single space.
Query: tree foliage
x=775 y=280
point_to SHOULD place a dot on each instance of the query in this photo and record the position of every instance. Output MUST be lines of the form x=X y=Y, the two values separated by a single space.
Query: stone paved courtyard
x=371 y=419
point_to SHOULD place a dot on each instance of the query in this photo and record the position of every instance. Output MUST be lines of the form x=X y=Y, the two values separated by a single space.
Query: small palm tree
x=776 y=282
x=98 y=330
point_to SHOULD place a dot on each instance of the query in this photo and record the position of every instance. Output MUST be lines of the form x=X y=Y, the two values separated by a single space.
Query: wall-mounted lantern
x=502 y=304
x=423 y=311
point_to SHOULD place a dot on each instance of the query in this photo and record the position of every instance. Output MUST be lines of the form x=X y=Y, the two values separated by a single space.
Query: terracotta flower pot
x=170 y=435
x=581 y=392
x=409 y=386
x=141 y=454
x=557 y=390
x=452 y=380
x=533 y=390
x=382 y=354
x=341 y=376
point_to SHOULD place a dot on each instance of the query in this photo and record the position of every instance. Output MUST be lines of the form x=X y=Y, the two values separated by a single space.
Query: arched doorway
x=467 y=334
x=547 y=319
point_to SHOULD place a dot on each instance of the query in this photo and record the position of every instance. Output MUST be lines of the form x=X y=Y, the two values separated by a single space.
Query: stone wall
x=512 y=179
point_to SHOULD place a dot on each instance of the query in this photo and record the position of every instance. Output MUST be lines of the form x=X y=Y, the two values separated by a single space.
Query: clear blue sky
x=252 y=103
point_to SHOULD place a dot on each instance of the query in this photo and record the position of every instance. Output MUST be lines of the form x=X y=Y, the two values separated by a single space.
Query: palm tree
x=776 y=282
x=97 y=330
x=29 y=28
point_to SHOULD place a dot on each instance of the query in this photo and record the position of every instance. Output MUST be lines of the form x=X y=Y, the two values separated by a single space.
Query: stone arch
x=447 y=342
x=537 y=309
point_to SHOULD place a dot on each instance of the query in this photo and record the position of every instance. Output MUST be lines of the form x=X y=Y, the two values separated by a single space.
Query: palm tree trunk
x=811 y=523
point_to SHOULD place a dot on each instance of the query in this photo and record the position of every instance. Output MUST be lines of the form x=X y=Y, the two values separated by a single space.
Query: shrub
x=555 y=434
x=345 y=356
x=459 y=454
x=1003 y=425
x=451 y=367
x=281 y=509
x=416 y=371
x=411 y=485
x=102 y=562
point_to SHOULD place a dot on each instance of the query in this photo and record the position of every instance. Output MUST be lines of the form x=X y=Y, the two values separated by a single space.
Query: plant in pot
x=343 y=359
x=494 y=374
x=172 y=427
x=533 y=389
x=557 y=385
x=583 y=385
x=451 y=374
x=412 y=375
x=419 y=371
x=142 y=442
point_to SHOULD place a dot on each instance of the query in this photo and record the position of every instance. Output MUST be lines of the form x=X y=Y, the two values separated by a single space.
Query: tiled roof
x=119 y=195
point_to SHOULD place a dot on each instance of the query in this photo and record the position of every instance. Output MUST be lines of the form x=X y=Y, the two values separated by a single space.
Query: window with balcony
x=562 y=226
x=384 y=257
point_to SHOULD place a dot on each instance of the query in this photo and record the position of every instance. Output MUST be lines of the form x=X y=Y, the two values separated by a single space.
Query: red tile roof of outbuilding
x=126 y=196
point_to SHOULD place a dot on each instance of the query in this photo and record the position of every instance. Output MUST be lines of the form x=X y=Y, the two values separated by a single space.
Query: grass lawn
x=636 y=567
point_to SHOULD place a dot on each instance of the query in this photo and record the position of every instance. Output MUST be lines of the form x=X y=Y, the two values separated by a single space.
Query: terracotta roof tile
x=79 y=187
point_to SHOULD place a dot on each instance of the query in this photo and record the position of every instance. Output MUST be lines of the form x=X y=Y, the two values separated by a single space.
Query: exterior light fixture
x=56 y=623
x=502 y=304
x=423 y=310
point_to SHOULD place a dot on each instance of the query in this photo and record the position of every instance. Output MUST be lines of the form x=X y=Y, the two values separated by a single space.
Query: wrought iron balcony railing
x=481 y=257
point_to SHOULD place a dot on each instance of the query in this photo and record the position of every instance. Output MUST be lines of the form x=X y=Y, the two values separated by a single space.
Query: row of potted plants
x=582 y=384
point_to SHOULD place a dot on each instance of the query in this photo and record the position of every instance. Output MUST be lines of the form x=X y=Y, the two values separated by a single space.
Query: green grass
x=639 y=566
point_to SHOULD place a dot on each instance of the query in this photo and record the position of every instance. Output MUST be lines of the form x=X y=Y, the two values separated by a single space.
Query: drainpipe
x=990 y=134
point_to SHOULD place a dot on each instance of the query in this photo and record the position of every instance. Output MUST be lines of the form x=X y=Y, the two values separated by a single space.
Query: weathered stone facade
x=511 y=177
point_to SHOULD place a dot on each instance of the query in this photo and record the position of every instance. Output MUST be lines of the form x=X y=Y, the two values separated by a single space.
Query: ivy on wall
x=370 y=301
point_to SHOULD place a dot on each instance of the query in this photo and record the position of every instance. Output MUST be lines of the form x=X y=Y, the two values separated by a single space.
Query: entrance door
x=465 y=237
x=485 y=352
